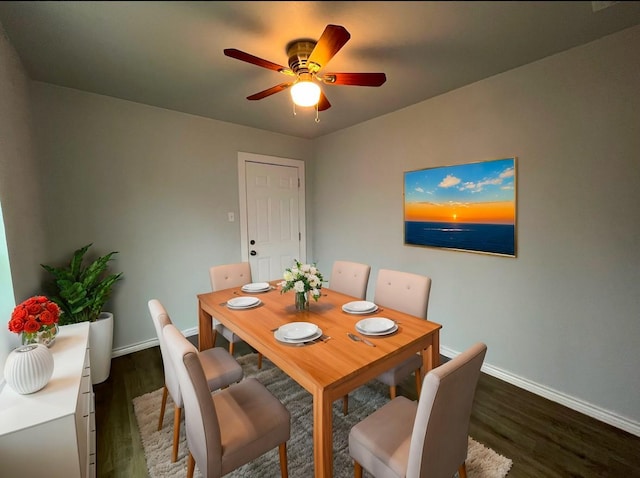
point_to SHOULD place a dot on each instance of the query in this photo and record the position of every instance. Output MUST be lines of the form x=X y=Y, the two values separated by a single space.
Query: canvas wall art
x=467 y=207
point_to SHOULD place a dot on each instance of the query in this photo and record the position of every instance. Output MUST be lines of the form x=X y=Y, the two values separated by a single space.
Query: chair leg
x=393 y=391
x=176 y=432
x=357 y=469
x=165 y=392
x=215 y=336
x=191 y=465
x=418 y=373
x=345 y=404
x=462 y=471
x=284 y=470
x=259 y=361
x=231 y=348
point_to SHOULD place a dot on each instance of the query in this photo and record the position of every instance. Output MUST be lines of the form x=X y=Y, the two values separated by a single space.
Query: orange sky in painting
x=483 y=213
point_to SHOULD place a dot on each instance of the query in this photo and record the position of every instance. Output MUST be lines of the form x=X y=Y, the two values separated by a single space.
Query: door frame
x=244 y=158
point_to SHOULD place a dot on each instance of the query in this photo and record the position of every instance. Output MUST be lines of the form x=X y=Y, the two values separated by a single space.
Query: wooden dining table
x=327 y=369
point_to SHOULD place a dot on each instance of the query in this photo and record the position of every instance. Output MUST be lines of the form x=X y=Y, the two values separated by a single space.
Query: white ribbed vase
x=28 y=368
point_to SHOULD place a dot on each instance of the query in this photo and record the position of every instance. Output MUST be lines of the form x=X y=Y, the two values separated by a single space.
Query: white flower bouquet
x=304 y=279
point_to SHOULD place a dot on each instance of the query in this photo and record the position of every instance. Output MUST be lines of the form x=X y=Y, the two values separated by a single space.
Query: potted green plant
x=81 y=292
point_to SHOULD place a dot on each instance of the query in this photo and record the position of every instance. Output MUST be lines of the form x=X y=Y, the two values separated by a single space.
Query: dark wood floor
x=542 y=438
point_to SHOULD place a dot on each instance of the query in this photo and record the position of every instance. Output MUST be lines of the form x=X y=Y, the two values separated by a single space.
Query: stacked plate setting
x=297 y=332
x=243 y=302
x=376 y=326
x=255 y=287
x=359 y=307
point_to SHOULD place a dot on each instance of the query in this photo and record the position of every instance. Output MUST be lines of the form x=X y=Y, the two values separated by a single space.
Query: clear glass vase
x=302 y=301
x=45 y=336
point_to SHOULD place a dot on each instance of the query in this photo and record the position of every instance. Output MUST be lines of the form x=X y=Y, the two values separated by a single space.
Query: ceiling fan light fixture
x=305 y=93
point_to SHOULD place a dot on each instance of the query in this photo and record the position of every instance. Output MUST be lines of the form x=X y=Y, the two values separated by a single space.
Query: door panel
x=273 y=210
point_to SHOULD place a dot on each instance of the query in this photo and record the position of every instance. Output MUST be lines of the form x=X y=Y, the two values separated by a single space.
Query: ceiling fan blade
x=333 y=38
x=270 y=91
x=254 y=60
x=354 y=79
x=323 y=103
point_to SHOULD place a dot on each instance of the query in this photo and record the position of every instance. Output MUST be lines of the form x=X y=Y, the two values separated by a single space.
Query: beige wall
x=563 y=318
x=20 y=196
x=153 y=184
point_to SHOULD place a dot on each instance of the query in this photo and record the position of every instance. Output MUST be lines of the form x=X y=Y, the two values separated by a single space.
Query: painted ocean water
x=492 y=238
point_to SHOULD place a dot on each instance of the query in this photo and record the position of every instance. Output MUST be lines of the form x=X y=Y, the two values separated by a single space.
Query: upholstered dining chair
x=226 y=276
x=229 y=428
x=220 y=369
x=427 y=438
x=350 y=278
x=408 y=293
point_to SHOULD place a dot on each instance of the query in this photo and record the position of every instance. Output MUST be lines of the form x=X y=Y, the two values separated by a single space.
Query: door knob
x=253 y=253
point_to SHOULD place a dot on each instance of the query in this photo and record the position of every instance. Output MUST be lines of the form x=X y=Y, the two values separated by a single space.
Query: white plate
x=298 y=330
x=359 y=307
x=379 y=334
x=256 y=287
x=243 y=302
x=278 y=335
x=376 y=326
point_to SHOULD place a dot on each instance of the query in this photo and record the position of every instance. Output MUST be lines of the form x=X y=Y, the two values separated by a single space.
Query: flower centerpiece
x=304 y=279
x=36 y=319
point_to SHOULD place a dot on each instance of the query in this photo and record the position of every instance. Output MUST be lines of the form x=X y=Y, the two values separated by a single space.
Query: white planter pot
x=101 y=345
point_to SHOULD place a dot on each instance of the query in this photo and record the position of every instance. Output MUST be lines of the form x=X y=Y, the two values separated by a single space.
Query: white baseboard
x=576 y=404
x=147 y=344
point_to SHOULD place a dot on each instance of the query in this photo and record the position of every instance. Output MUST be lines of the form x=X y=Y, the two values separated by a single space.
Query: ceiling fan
x=306 y=59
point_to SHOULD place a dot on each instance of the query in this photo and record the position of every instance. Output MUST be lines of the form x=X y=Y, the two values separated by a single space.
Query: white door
x=273 y=214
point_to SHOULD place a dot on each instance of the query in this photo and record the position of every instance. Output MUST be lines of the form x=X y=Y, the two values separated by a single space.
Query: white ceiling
x=169 y=54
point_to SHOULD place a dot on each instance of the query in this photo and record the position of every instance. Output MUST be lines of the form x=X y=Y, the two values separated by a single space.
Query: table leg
x=435 y=349
x=205 y=329
x=431 y=355
x=322 y=435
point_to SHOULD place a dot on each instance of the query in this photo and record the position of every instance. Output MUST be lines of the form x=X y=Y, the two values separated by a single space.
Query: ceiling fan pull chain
x=294 y=108
x=317 y=115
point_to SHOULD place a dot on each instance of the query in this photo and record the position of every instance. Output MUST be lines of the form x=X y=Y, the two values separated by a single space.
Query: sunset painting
x=470 y=207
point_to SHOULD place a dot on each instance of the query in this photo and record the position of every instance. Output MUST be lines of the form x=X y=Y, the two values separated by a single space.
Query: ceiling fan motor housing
x=298 y=52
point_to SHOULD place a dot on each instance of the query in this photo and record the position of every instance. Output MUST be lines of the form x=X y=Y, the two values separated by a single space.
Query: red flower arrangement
x=33 y=315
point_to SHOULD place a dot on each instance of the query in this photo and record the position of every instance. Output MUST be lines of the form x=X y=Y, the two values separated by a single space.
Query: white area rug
x=482 y=462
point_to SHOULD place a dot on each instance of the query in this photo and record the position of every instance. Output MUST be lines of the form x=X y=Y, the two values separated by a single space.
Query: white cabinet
x=52 y=432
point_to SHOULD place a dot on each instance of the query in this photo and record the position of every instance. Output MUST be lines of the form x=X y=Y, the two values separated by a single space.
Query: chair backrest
x=160 y=318
x=350 y=278
x=439 y=441
x=229 y=275
x=403 y=291
x=201 y=422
